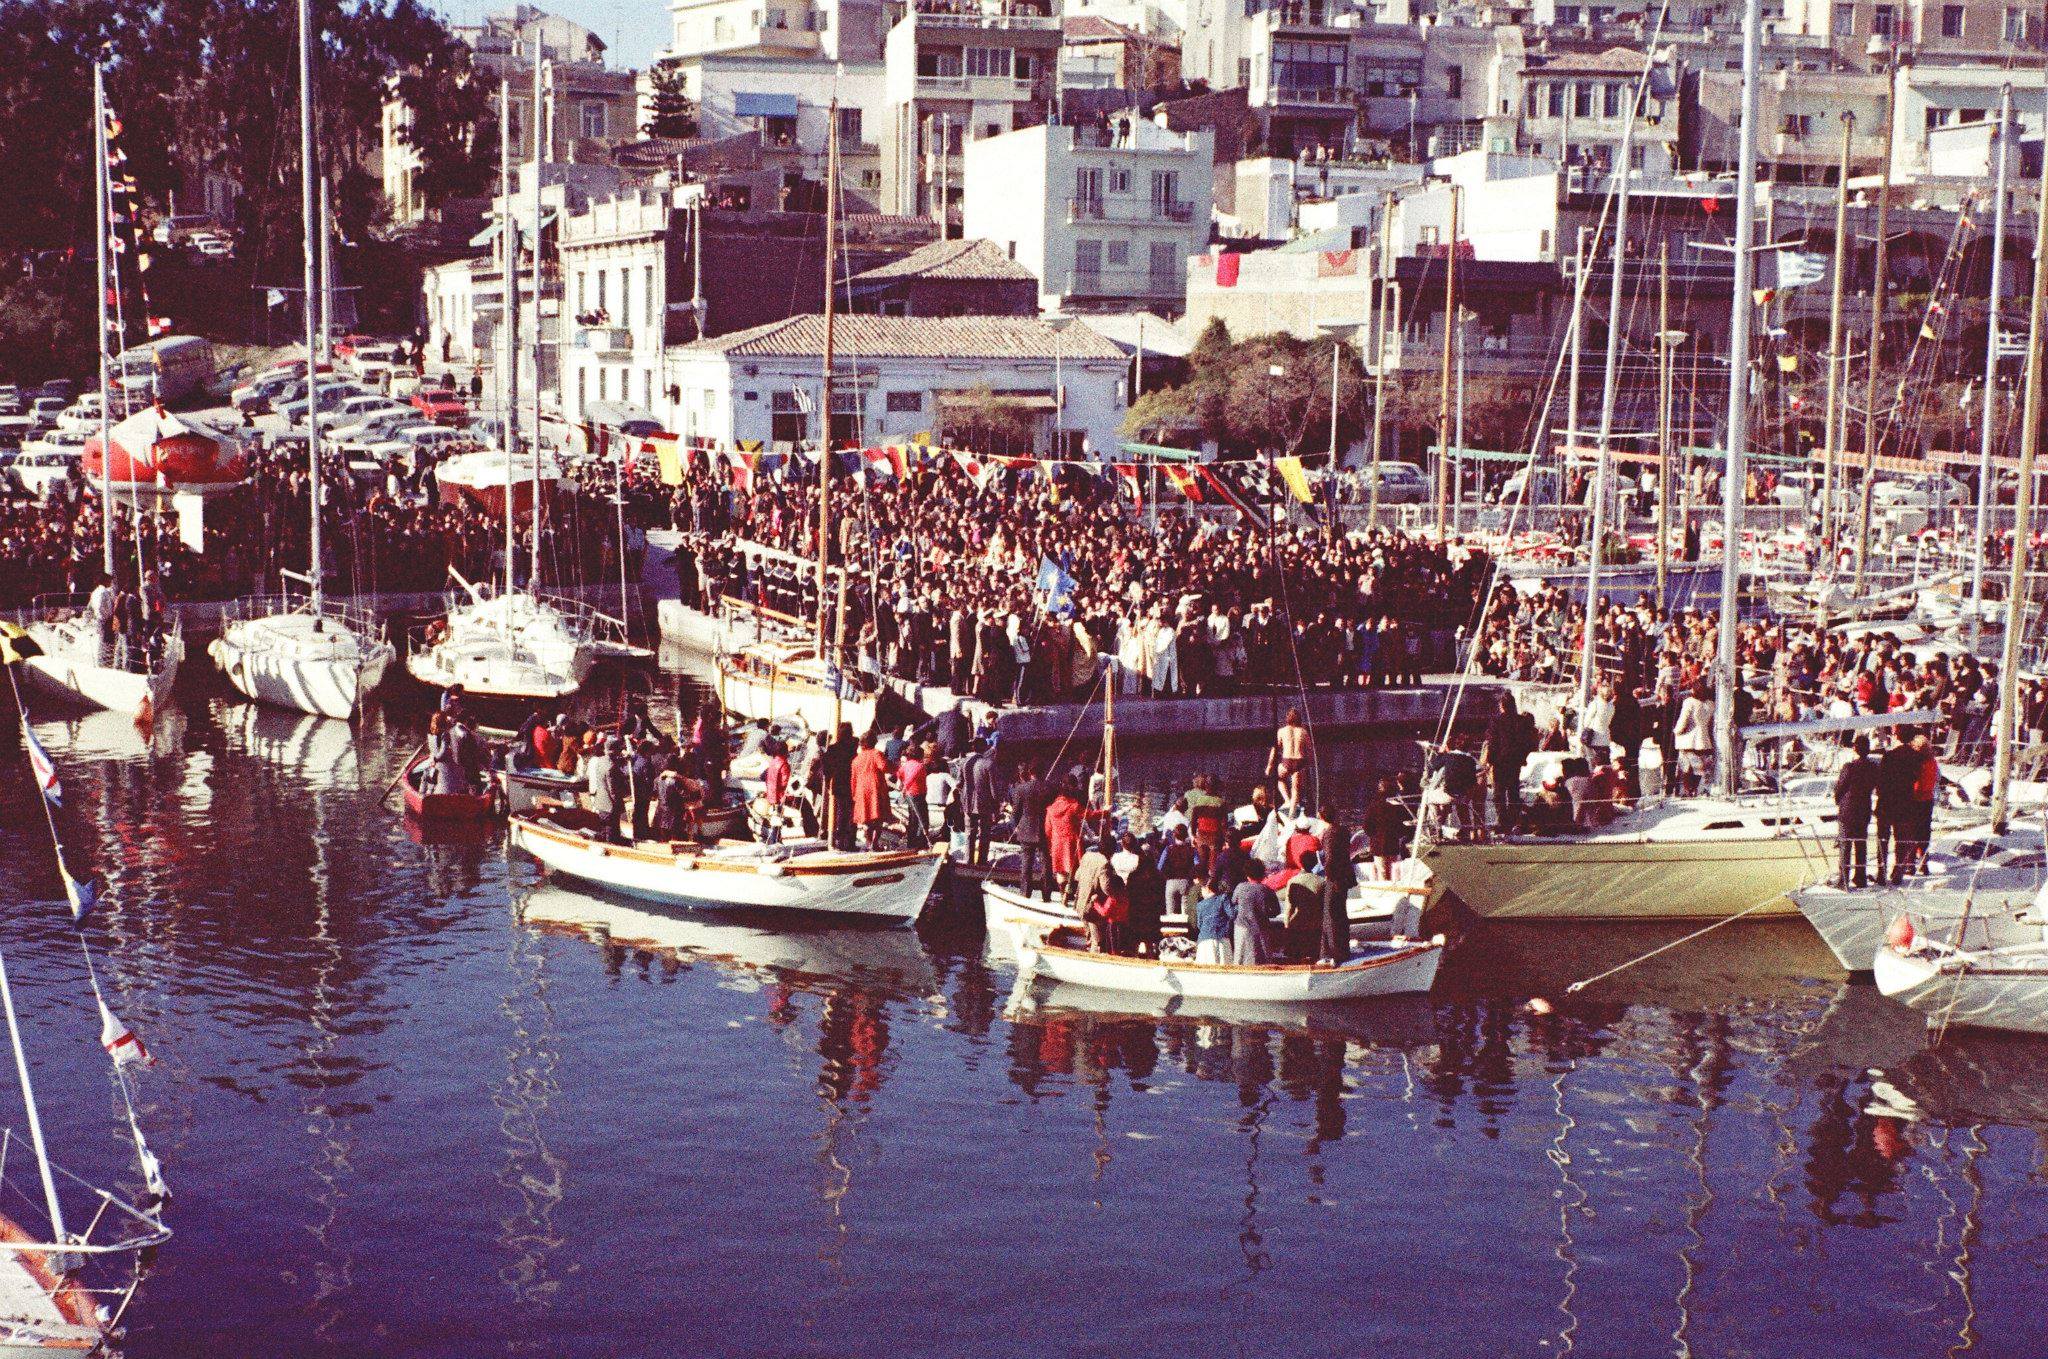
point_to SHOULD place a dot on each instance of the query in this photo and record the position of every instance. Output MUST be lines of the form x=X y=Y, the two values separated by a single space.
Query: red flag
x=979 y=470
x=1184 y=480
x=1226 y=268
x=1127 y=472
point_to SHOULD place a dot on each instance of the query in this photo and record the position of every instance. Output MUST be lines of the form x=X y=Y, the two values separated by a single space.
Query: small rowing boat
x=1394 y=968
x=800 y=875
x=429 y=806
x=527 y=790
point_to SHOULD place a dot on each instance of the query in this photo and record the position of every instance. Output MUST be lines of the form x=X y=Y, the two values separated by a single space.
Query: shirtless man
x=1291 y=749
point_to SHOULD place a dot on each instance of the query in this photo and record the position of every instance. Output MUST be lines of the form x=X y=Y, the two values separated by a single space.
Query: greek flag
x=46 y=772
x=1797 y=269
x=2011 y=344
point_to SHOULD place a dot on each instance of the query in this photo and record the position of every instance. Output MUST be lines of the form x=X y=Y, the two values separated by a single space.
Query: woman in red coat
x=1063 y=836
x=870 y=792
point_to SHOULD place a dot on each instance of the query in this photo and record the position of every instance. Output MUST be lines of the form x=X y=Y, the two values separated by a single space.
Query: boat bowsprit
x=805 y=875
x=1391 y=968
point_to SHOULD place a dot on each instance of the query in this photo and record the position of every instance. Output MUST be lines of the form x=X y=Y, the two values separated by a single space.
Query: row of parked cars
x=42 y=434
x=354 y=411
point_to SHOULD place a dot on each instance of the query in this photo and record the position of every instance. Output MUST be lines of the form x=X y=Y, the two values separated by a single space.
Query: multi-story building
x=787 y=104
x=1927 y=98
x=958 y=70
x=586 y=106
x=895 y=378
x=834 y=30
x=1104 y=219
x=1575 y=108
x=1937 y=30
x=1799 y=123
x=1100 y=54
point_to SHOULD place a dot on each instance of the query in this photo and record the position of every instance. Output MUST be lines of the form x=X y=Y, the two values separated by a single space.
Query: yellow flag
x=1788 y=363
x=1296 y=479
x=669 y=453
x=1927 y=333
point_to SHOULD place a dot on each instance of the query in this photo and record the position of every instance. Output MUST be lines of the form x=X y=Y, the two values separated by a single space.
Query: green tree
x=984 y=422
x=673 y=112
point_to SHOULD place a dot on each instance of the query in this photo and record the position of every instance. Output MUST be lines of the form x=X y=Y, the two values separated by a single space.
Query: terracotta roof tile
x=970 y=260
x=914 y=337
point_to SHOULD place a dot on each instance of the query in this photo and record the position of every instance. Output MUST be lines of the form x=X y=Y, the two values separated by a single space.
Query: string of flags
x=125 y=239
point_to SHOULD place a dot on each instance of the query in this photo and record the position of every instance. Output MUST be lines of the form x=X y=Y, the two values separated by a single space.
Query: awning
x=1487 y=455
x=490 y=231
x=1023 y=401
x=1157 y=453
x=748 y=104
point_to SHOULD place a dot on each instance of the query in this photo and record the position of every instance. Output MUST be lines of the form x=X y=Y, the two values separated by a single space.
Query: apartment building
x=1934 y=29
x=958 y=70
x=1104 y=218
x=1575 y=108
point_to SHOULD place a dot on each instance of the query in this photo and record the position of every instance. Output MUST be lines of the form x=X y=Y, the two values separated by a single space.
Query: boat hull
x=526 y=792
x=812 y=704
x=443 y=808
x=2007 y=990
x=1853 y=924
x=332 y=686
x=1387 y=970
x=67 y=673
x=1377 y=910
x=883 y=885
x=1630 y=880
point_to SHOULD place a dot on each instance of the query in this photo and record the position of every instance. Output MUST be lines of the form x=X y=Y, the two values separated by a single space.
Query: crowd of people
x=949 y=585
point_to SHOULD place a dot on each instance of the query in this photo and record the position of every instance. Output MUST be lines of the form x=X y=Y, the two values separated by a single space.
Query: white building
x=1106 y=220
x=1928 y=99
x=832 y=30
x=614 y=263
x=1272 y=192
x=788 y=101
x=894 y=377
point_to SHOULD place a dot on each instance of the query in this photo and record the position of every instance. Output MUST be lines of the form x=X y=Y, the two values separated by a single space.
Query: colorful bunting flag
x=44 y=769
x=120 y=1041
x=1295 y=479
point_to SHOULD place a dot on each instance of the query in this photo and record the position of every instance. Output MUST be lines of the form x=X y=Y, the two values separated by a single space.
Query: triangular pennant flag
x=1128 y=480
x=1927 y=332
x=16 y=645
x=152 y=1169
x=1184 y=480
x=1788 y=363
x=120 y=1042
x=1295 y=479
x=82 y=895
x=44 y=769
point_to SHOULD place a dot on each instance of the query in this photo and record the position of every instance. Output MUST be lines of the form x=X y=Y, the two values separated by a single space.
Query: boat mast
x=103 y=190
x=2002 y=148
x=28 y=1100
x=1664 y=361
x=1725 y=748
x=1832 y=424
x=2022 y=513
x=1443 y=396
x=540 y=160
x=1607 y=394
x=825 y=398
x=310 y=224
x=1872 y=432
x=508 y=266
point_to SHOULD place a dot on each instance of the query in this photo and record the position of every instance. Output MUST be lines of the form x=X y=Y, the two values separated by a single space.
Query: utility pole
x=1443 y=400
x=1876 y=354
x=1985 y=476
x=1831 y=424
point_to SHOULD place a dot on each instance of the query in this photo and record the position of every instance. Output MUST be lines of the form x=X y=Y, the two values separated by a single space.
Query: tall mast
x=326 y=275
x=311 y=225
x=825 y=395
x=508 y=299
x=1664 y=360
x=28 y=1101
x=540 y=160
x=102 y=186
x=1876 y=341
x=1443 y=396
x=1831 y=426
x=2022 y=513
x=1609 y=379
x=2003 y=150
x=1738 y=406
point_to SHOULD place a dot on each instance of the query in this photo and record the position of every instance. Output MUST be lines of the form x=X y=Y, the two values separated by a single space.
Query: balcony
x=1310 y=96
x=1016 y=23
x=1137 y=211
x=1136 y=283
x=609 y=340
x=983 y=88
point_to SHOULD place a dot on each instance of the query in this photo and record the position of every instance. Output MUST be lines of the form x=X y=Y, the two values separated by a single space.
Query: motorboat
x=799 y=875
x=776 y=679
x=82 y=666
x=1979 y=892
x=1671 y=859
x=319 y=657
x=1391 y=968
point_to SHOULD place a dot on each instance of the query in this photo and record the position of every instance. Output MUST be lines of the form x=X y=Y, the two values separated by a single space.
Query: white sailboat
x=80 y=661
x=317 y=656
x=1704 y=858
x=516 y=645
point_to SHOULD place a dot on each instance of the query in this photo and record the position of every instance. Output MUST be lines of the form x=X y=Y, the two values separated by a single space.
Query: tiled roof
x=976 y=260
x=1618 y=60
x=913 y=337
x=1095 y=28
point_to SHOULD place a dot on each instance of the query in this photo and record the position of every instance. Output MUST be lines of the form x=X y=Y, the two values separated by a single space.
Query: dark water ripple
x=416 y=1101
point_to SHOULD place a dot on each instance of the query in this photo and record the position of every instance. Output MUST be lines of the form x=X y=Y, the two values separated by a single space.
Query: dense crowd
x=1012 y=592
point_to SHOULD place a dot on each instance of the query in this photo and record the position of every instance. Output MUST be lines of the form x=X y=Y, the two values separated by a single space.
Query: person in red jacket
x=1926 y=783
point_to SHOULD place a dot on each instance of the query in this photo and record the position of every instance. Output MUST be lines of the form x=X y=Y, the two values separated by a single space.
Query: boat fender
x=1899 y=934
x=771 y=869
x=145 y=716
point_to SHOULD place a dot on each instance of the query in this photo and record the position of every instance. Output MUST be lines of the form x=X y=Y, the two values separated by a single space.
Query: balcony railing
x=985 y=87
x=1323 y=96
x=606 y=339
x=1125 y=283
x=1025 y=22
x=1136 y=210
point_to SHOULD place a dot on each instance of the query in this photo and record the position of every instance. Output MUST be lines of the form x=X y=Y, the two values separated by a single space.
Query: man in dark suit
x=952 y=730
x=1855 y=795
x=1333 y=850
x=981 y=800
x=1510 y=740
x=1030 y=796
x=1896 y=774
x=835 y=767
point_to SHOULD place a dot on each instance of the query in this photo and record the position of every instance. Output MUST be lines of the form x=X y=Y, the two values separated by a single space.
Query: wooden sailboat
x=317 y=656
x=1392 y=968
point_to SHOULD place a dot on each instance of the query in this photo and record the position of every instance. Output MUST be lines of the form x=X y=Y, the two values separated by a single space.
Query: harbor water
x=414 y=1100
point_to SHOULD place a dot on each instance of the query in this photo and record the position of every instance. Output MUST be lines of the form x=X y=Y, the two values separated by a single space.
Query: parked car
x=332 y=394
x=45 y=410
x=10 y=392
x=177 y=230
x=1400 y=483
x=352 y=409
x=441 y=405
x=62 y=388
x=16 y=428
x=375 y=426
x=82 y=415
x=213 y=245
x=1928 y=490
x=1548 y=488
x=41 y=471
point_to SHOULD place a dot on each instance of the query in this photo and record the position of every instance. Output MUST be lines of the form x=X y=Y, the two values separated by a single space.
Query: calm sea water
x=415 y=1101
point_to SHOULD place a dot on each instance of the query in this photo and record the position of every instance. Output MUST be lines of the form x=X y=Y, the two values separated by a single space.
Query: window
x=1884 y=20
x=1454 y=81
x=721 y=29
x=593 y=120
x=939 y=61
x=647 y=387
x=604 y=384
x=1087 y=193
x=1529 y=101
x=905 y=403
x=1582 y=99
x=988 y=61
x=1166 y=267
x=786 y=423
x=1636 y=157
x=1165 y=192
x=1556 y=88
x=1845 y=21
x=625 y=301
x=1119 y=254
x=601 y=292
x=1388 y=79
x=849 y=125
x=582 y=291
x=1567 y=14
x=1119 y=181
x=1796 y=125
x=1301 y=65
x=1951 y=21
x=1027 y=66
x=653 y=313
x=778 y=131
x=1611 y=101
x=1244 y=71
x=582 y=390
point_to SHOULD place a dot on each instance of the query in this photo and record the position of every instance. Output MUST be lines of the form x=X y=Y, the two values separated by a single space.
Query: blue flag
x=44 y=769
x=1056 y=585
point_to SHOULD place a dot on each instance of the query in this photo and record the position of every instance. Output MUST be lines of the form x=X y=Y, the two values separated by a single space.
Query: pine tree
x=672 y=113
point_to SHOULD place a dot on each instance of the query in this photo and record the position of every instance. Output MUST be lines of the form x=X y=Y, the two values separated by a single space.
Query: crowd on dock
x=1013 y=594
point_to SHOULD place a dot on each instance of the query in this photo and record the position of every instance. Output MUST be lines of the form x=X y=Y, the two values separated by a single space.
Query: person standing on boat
x=775 y=788
x=1029 y=797
x=1063 y=817
x=835 y=782
x=981 y=800
x=1896 y=774
x=601 y=782
x=1255 y=907
x=1214 y=922
x=1177 y=869
x=1291 y=749
x=868 y=776
x=1920 y=809
x=1510 y=740
x=1333 y=860
x=1855 y=794
x=1692 y=735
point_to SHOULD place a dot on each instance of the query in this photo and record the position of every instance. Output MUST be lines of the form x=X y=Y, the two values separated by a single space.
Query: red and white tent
x=157 y=452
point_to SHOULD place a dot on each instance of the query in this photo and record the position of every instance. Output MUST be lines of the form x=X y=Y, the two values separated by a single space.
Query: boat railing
x=76 y=638
x=587 y=620
x=424 y=635
x=354 y=617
